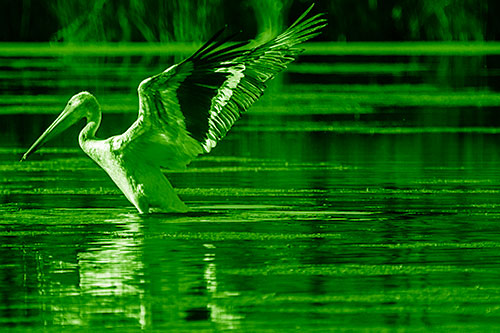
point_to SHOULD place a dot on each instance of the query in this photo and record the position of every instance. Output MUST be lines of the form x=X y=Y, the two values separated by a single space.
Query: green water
x=360 y=197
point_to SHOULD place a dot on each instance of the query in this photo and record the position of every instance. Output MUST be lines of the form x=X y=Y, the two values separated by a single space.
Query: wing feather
x=194 y=104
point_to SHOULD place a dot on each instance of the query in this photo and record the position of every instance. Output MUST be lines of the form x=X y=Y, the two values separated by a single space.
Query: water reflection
x=112 y=269
x=224 y=317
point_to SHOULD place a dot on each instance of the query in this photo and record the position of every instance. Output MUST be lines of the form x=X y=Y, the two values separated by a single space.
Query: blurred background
x=196 y=20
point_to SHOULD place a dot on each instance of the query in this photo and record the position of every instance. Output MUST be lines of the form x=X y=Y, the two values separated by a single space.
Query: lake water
x=361 y=193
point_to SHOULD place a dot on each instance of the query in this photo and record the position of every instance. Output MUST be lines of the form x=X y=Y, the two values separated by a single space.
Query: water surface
x=368 y=201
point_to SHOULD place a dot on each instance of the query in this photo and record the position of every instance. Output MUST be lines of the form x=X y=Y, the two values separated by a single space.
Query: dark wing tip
x=205 y=46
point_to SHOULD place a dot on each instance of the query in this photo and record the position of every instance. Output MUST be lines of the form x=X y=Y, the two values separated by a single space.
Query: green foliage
x=164 y=21
x=196 y=20
x=445 y=20
x=136 y=20
x=269 y=16
x=441 y=20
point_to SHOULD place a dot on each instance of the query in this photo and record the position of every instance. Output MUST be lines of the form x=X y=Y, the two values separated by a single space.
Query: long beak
x=67 y=118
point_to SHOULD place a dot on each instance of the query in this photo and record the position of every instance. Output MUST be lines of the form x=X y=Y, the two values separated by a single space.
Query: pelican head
x=82 y=105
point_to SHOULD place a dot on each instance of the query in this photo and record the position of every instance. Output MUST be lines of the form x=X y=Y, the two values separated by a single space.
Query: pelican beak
x=67 y=118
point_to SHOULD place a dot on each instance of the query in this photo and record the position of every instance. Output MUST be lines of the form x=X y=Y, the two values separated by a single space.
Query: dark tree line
x=195 y=20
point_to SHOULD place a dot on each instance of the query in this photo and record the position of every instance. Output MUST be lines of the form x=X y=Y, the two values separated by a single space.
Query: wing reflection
x=111 y=271
x=219 y=314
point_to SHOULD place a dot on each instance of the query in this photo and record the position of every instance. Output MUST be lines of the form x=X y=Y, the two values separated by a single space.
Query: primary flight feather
x=183 y=112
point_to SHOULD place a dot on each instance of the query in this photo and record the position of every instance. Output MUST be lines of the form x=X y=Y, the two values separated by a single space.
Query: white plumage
x=183 y=112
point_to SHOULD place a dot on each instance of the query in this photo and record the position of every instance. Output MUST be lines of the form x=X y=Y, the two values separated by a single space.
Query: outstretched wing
x=191 y=105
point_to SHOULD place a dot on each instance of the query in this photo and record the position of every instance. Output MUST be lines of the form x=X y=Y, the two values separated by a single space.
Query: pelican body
x=183 y=112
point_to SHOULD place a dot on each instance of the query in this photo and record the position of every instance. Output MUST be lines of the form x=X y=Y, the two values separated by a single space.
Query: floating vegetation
x=350 y=68
x=478 y=48
x=245 y=236
x=316 y=48
x=356 y=270
x=318 y=127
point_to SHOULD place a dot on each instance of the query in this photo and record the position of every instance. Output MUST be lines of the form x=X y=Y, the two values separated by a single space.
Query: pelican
x=183 y=112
